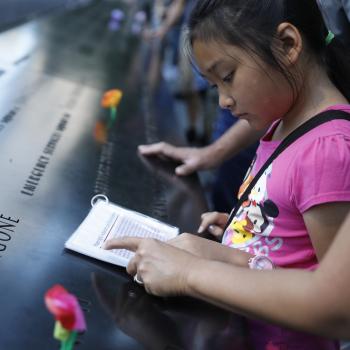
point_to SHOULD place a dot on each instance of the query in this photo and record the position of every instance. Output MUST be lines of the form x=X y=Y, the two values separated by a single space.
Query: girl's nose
x=226 y=102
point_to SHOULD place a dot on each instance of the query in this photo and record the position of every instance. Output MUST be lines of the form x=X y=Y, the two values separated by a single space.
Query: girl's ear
x=291 y=42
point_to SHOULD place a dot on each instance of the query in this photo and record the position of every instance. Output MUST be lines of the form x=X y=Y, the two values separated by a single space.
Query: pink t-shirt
x=315 y=169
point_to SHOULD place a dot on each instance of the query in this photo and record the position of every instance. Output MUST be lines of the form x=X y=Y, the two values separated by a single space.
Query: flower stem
x=113 y=115
x=69 y=343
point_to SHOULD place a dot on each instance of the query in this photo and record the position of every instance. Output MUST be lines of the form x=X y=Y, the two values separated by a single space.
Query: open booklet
x=106 y=221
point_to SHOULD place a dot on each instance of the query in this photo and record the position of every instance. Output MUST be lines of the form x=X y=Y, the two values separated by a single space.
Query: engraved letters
x=7 y=227
x=40 y=166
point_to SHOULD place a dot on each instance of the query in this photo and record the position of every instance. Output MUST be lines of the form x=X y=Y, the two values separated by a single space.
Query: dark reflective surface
x=180 y=323
x=58 y=149
x=16 y=11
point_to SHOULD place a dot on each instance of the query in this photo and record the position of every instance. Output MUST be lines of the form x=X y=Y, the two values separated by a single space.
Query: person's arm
x=317 y=302
x=173 y=15
x=323 y=222
x=238 y=137
x=211 y=250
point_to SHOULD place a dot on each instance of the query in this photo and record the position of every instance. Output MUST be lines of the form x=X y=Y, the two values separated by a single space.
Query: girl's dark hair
x=252 y=25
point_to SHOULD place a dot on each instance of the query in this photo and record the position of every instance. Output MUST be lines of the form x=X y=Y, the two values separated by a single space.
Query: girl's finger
x=215 y=230
x=131 y=269
x=129 y=243
x=208 y=219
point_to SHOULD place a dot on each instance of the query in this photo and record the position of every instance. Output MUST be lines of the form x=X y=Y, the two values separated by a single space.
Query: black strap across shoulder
x=310 y=124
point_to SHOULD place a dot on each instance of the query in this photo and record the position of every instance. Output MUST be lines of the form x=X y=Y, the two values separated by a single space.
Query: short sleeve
x=321 y=172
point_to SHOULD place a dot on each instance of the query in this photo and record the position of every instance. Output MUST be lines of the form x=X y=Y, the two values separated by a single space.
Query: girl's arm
x=211 y=250
x=323 y=222
x=302 y=300
x=317 y=302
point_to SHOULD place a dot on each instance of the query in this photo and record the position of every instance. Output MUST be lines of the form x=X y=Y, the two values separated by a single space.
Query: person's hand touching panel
x=192 y=159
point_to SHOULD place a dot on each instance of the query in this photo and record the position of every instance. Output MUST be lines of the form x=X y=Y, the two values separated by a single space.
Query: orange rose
x=111 y=98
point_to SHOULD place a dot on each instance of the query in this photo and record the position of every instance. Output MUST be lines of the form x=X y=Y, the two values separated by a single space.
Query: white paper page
x=107 y=221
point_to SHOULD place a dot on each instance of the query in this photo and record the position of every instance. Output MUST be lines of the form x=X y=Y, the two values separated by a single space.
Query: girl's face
x=247 y=86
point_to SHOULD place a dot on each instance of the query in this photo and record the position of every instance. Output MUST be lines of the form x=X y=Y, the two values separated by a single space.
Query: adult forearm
x=286 y=297
x=234 y=140
x=174 y=14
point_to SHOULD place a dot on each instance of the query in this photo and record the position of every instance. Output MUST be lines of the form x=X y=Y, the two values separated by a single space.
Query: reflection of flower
x=100 y=132
x=65 y=308
x=111 y=98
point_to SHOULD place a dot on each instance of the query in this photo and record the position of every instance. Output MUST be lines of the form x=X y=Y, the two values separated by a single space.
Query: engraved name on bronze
x=7 y=228
x=39 y=168
x=8 y=117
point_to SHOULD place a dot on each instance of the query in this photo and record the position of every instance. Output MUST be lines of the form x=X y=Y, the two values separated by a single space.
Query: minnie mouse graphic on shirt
x=251 y=227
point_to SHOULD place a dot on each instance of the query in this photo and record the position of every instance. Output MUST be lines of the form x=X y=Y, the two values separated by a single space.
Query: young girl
x=275 y=66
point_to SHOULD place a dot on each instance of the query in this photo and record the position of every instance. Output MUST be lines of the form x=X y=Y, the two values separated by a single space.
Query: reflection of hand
x=192 y=159
x=184 y=195
x=137 y=314
x=214 y=222
x=162 y=268
x=165 y=169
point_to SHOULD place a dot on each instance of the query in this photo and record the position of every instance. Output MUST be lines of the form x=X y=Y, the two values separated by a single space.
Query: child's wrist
x=191 y=280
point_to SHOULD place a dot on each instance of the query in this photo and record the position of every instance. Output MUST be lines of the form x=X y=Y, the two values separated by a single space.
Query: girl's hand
x=214 y=222
x=162 y=268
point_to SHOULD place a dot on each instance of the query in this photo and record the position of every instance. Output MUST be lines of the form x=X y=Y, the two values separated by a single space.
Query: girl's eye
x=214 y=87
x=228 y=78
